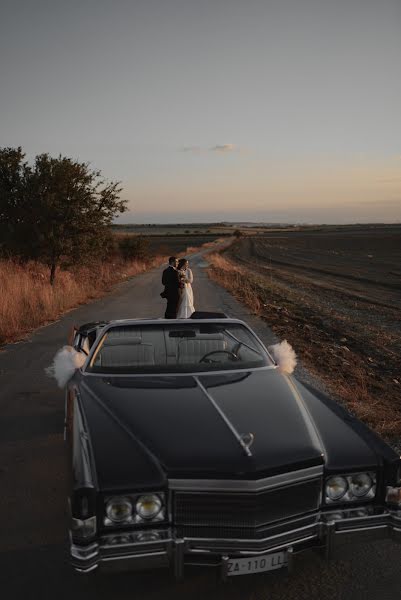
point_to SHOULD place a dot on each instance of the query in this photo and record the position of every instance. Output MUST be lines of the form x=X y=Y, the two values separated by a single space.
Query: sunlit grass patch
x=28 y=300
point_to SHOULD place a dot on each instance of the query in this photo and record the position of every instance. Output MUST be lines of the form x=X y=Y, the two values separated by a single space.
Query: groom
x=170 y=280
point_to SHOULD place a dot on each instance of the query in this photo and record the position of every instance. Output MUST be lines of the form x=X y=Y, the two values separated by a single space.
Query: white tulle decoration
x=284 y=355
x=66 y=361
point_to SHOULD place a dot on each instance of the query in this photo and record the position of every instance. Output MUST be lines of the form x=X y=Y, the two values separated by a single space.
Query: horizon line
x=267 y=223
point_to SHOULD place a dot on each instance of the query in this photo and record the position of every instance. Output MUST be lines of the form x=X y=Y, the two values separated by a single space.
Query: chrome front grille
x=244 y=511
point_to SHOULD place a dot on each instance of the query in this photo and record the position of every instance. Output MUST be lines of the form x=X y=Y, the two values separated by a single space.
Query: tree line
x=57 y=211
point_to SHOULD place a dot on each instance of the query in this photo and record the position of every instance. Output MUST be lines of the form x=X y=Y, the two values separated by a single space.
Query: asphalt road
x=33 y=545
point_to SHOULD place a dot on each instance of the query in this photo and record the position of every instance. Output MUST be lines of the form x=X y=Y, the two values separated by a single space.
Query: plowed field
x=336 y=296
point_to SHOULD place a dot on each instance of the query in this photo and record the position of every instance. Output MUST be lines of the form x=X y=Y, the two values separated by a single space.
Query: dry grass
x=368 y=391
x=27 y=299
x=237 y=280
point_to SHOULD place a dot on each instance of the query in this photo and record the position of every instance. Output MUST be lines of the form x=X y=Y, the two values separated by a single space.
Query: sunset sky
x=210 y=110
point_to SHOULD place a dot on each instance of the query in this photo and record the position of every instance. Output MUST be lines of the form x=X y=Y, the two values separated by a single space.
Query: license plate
x=256 y=564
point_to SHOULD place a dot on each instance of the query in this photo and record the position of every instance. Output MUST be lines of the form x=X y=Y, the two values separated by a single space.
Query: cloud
x=191 y=149
x=220 y=148
x=223 y=148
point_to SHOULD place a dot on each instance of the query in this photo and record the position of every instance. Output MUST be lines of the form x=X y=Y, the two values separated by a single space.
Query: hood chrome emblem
x=247 y=439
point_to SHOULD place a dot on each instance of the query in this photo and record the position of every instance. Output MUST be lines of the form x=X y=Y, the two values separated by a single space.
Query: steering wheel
x=205 y=357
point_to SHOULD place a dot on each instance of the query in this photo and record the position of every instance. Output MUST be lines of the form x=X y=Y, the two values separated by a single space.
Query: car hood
x=188 y=426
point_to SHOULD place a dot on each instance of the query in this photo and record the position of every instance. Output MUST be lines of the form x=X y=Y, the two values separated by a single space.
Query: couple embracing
x=177 y=280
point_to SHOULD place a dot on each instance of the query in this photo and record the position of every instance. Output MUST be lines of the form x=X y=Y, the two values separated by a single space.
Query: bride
x=186 y=301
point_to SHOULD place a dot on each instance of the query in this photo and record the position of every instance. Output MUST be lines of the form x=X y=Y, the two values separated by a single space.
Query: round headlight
x=336 y=487
x=149 y=506
x=361 y=484
x=119 y=510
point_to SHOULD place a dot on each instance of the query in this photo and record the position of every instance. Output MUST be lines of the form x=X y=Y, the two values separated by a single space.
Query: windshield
x=177 y=348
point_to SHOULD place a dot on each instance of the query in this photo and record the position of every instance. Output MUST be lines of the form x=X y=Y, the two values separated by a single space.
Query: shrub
x=134 y=247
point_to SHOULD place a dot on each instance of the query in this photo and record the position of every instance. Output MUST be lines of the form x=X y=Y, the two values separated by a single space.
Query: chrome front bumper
x=132 y=551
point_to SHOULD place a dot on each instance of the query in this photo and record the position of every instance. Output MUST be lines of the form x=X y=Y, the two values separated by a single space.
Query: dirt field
x=176 y=244
x=166 y=244
x=335 y=295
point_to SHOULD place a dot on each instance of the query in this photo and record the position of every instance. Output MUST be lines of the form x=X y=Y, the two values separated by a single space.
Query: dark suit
x=170 y=281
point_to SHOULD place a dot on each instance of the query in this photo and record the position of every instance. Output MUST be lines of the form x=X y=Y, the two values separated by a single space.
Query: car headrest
x=204 y=336
x=123 y=341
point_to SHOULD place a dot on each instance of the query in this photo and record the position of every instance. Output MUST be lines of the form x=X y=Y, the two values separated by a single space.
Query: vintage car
x=189 y=446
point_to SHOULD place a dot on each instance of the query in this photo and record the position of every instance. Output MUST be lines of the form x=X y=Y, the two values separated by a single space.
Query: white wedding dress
x=186 y=303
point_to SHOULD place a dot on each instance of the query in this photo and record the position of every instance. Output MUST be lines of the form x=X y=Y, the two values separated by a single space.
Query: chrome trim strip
x=87 y=569
x=160 y=542
x=171 y=374
x=128 y=556
x=82 y=460
x=224 y=417
x=365 y=518
x=281 y=547
x=359 y=529
x=307 y=417
x=84 y=556
x=258 y=542
x=325 y=533
x=268 y=550
x=150 y=321
x=232 y=485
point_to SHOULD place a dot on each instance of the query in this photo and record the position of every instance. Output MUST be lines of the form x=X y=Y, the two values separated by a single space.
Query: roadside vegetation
x=57 y=211
x=356 y=360
x=58 y=247
x=28 y=301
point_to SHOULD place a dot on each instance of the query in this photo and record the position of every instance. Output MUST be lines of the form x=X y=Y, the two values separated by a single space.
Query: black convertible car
x=190 y=446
